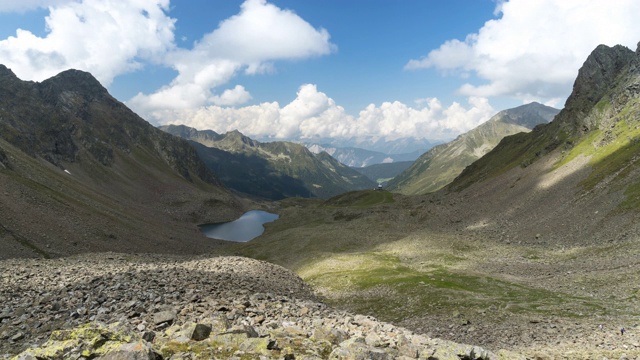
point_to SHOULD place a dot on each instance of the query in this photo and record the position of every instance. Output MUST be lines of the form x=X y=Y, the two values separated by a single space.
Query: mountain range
x=533 y=247
x=378 y=145
x=358 y=158
x=598 y=123
x=273 y=170
x=440 y=165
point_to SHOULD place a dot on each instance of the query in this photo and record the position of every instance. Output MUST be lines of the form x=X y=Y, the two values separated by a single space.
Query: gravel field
x=182 y=308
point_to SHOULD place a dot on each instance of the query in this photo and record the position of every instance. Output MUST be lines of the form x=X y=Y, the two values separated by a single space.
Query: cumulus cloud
x=313 y=114
x=249 y=41
x=230 y=97
x=105 y=37
x=112 y=37
x=263 y=32
x=534 y=51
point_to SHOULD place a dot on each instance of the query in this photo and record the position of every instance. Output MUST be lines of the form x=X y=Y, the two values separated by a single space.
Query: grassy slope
x=515 y=150
x=364 y=253
x=133 y=205
x=439 y=166
x=613 y=152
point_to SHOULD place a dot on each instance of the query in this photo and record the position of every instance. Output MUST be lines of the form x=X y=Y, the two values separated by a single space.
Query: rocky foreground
x=115 y=306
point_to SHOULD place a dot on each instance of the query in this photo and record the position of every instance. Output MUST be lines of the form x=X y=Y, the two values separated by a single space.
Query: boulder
x=165 y=317
x=200 y=332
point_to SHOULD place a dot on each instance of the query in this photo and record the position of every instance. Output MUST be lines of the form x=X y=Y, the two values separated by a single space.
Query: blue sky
x=303 y=69
x=374 y=39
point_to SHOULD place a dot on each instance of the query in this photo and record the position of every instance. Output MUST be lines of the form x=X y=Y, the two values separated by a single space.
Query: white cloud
x=251 y=40
x=104 y=37
x=263 y=32
x=192 y=88
x=534 y=51
x=230 y=97
x=112 y=37
x=314 y=114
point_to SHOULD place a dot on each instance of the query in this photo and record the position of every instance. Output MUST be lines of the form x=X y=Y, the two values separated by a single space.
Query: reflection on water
x=247 y=227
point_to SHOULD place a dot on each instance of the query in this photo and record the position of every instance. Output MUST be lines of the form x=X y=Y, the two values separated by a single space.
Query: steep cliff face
x=609 y=72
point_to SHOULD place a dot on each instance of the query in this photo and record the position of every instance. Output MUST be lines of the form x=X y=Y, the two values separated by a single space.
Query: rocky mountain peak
x=73 y=81
x=236 y=137
x=600 y=70
x=608 y=84
x=71 y=115
x=598 y=76
x=527 y=115
x=6 y=73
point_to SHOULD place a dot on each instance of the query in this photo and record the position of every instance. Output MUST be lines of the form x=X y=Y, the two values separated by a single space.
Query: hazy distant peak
x=187 y=132
x=528 y=115
x=440 y=165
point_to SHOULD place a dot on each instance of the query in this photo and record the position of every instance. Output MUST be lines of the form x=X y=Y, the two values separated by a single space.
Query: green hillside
x=600 y=121
x=440 y=165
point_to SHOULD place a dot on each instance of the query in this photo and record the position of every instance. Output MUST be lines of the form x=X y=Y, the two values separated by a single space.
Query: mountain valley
x=359 y=158
x=533 y=248
x=529 y=252
x=274 y=170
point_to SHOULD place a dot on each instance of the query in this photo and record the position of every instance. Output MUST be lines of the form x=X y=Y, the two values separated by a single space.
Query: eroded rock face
x=600 y=75
x=111 y=306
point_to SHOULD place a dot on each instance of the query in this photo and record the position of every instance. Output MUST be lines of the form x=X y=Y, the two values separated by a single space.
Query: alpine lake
x=247 y=227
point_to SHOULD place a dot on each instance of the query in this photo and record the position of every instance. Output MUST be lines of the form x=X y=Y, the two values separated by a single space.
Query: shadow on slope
x=250 y=174
x=546 y=221
x=131 y=206
x=526 y=245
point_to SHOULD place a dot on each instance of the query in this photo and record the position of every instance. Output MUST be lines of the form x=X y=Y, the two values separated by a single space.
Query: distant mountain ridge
x=400 y=146
x=81 y=171
x=383 y=173
x=357 y=157
x=272 y=170
x=440 y=165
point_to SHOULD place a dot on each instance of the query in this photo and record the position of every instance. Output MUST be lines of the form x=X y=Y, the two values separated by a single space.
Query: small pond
x=245 y=228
